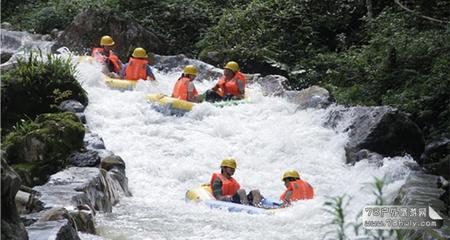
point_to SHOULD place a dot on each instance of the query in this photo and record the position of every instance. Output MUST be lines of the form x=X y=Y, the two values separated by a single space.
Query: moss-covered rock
x=40 y=148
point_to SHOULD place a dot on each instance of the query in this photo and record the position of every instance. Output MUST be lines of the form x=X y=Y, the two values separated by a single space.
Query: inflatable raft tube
x=203 y=194
x=114 y=83
x=179 y=107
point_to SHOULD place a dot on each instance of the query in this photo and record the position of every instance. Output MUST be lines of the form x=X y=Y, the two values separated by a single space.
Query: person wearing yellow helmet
x=231 y=85
x=184 y=88
x=225 y=188
x=296 y=188
x=138 y=67
x=105 y=55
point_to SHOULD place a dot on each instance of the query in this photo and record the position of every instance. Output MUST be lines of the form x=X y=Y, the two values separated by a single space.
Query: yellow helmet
x=228 y=162
x=139 y=53
x=106 y=41
x=290 y=174
x=233 y=66
x=190 y=69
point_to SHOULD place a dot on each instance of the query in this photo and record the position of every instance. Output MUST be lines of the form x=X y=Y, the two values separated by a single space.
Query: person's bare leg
x=242 y=196
x=256 y=197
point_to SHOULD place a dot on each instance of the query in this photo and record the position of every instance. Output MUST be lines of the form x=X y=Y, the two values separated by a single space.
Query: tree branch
x=418 y=14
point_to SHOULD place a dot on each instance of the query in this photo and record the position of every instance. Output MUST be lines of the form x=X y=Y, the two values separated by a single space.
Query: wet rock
x=372 y=157
x=87 y=158
x=46 y=37
x=54 y=230
x=272 y=85
x=5 y=56
x=84 y=33
x=178 y=62
x=84 y=221
x=113 y=161
x=15 y=41
x=422 y=190
x=115 y=168
x=247 y=65
x=441 y=168
x=93 y=141
x=103 y=153
x=119 y=179
x=383 y=130
x=7 y=26
x=71 y=106
x=81 y=117
x=11 y=225
x=205 y=71
x=76 y=186
x=27 y=202
x=312 y=97
x=436 y=158
x=436 y=151
x=55 y=214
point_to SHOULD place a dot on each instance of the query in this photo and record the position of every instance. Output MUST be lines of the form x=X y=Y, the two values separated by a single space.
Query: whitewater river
x=166 y=155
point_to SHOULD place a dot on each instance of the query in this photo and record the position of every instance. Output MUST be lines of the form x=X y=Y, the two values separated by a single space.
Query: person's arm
x=124 y=68
x=217 y=191
x=286 y=202
x=216 y=87
x=192 y=94
x=150 y=75
x=241 y=88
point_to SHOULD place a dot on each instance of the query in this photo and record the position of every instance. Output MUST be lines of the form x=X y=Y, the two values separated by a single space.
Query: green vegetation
x=37 y=149
x=37 y=86
x=336 y=207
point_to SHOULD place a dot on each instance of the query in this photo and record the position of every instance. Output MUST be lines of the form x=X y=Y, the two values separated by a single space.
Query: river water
x=167 y=155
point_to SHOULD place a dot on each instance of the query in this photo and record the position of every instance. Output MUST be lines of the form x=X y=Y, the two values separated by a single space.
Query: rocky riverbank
x=93 y=181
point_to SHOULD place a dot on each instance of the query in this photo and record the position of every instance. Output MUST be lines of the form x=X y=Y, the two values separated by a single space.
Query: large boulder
x=12 y=226
x=424 y=190
x=40 y=148
x=178 y=62
x=57 y=230
x=436 y=157
x=383 y=130
x=90 y=25
x=312 y=97
x=272 y=85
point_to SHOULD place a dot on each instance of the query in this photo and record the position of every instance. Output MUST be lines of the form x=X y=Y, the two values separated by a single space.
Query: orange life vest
x=181 y=88
x=136 y=69
x=300 y=190
x=97 y=54
x=231 y=86
x=229 y=185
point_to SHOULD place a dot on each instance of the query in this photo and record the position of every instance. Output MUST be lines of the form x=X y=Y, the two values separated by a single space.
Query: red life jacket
x=181 y=88
x=231 y=86
x=136 y=69
x=229 y=185
x=97 y=54
x=300 y=190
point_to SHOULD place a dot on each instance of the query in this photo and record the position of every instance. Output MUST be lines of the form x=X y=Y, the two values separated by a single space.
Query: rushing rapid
x=167 y=155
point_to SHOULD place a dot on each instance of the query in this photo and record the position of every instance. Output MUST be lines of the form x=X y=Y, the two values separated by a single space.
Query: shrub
x=36 y=86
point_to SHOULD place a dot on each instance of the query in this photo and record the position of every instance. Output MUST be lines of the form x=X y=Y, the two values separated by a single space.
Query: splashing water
x=167 y=155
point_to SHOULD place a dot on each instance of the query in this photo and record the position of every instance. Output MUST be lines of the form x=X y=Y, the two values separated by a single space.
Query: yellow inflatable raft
x=170 y=102
x=120 y=84
x=114 y=83
x=176 y=106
